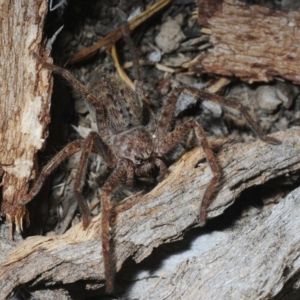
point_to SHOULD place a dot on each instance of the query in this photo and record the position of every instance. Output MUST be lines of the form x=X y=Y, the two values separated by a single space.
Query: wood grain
x=25 y=91
x=250 y=42
x=256 y=258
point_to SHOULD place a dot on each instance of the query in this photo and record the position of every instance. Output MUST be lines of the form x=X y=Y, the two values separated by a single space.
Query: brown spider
x=127 y=145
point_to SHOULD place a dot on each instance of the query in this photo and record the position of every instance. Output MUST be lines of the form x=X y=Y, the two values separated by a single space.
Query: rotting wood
x=145 y=222
x=25 y=100
x=250 y=42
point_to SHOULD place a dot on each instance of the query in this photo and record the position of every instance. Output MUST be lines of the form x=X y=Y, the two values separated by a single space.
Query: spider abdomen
x=121 y=108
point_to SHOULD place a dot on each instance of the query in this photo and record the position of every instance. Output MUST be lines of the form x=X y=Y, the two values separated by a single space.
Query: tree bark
x=253 y=259
x=25 y=91
x=161 y=216
x=251 y=42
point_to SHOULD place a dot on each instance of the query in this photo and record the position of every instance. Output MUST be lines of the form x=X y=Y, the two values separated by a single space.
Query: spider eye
x=138 y=158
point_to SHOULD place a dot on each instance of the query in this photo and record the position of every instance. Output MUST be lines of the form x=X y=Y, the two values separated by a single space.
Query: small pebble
x=170 y=36
x=267 y=98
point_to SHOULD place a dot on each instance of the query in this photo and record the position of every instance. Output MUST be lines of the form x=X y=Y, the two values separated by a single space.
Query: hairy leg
x=174 y=138
x=67 y=151
x=167 y=112
x=93 y=141
x=166 y=141
x=97 y=105
x=107 y=248
x=135 y=58
x=146 y=168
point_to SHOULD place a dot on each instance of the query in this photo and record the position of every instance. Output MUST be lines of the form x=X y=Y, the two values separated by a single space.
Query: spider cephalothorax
x=135 y=144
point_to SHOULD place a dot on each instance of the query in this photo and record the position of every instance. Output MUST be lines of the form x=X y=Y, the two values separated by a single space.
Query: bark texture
x=251 y=42
x=254 y=259
x=25 y=100
x=163 y=215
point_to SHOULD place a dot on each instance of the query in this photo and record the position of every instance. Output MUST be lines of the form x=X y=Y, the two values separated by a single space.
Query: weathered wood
x=250 y=42
x=25 y=100
x=253 y=259
x=145 y=222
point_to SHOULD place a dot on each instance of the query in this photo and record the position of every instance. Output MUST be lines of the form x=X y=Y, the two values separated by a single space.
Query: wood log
x=25 y=91
x=256 y=258
x=251 y=42
x=142 y=223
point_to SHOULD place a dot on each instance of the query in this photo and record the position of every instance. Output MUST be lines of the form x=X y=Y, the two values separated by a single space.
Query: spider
x=127 y=145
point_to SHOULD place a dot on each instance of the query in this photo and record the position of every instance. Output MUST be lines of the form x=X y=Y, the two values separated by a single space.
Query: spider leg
x=168 y=111
x=164 y=145
x=93 y=141
x=151 y=126
x=162 y=169
x=164 y=118
x=238 y=106
x=130 y=173
x=67 y=151
x=97 y=105
x=107 y=248
x=142 y=169
x=135 y=59
x=176 y=136
x=145 y=168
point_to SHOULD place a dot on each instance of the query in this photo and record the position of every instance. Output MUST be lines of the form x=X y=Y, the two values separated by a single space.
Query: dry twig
x=114 y=36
